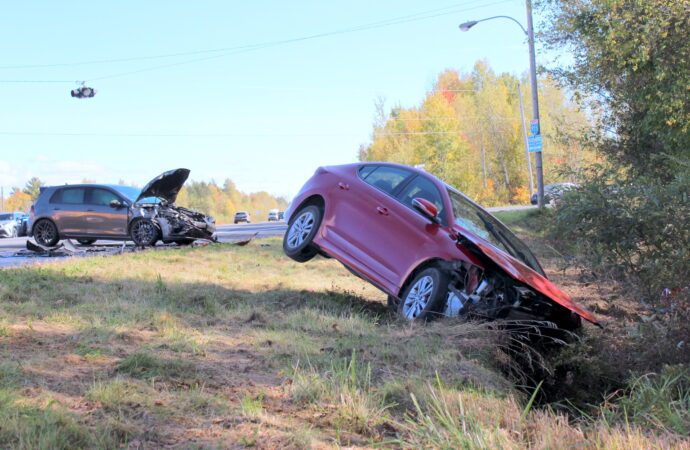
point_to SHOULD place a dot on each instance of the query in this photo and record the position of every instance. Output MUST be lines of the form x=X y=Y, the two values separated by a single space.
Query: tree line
x=468 y=131
x=221 y=202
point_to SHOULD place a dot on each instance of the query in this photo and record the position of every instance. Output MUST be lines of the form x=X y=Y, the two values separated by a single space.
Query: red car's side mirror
x=427 y=208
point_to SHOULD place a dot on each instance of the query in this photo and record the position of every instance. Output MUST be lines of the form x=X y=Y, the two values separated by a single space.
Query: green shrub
x=635 y=229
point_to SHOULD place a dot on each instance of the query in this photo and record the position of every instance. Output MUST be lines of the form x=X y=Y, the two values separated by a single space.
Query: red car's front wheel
x=425 y=296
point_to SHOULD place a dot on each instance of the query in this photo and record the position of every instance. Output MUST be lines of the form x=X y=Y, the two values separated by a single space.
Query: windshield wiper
x=500 y=237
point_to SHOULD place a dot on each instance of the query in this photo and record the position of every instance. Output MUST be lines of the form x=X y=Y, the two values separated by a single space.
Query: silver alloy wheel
x=143 y=231
x=44 y=232
x=300 y=229
x=418 y=297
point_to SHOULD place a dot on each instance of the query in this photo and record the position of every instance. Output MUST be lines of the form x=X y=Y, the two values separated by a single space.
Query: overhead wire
x=229 y=51
x=224 y=49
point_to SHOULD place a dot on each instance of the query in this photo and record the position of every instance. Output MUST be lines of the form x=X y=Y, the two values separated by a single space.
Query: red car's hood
x=521 y=272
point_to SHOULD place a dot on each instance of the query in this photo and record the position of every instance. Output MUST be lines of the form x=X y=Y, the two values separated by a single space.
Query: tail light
x=31 y=214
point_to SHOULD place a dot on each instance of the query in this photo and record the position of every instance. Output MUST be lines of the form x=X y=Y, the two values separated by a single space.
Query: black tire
x=297 y=242
x=46 y=233
x=86 y=241
x=425 y=296
x=393 y=302
x=144 y=232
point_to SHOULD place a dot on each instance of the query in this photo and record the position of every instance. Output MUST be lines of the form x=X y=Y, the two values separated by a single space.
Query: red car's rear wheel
x=304 y=225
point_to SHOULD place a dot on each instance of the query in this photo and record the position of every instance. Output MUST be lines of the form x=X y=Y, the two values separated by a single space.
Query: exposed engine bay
x=176 y=223
x=490 y=294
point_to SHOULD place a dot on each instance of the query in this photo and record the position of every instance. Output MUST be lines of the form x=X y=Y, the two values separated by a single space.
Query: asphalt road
x=225 y=233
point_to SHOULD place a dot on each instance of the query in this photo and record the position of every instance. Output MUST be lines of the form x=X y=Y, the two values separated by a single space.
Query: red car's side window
x=421 y=187
x=384 y=178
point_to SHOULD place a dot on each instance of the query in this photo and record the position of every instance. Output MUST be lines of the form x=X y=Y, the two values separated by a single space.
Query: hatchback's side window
x=387 y=178
x=74 y=196
x=102 y=197
x=422 y=187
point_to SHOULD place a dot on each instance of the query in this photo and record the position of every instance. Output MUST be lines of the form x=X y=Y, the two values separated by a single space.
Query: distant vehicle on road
x=281 y=215
x=273 y=215
x=23 y=227
x=10 y=223
x=242 y=216
x=87 y=212
x=553 y=192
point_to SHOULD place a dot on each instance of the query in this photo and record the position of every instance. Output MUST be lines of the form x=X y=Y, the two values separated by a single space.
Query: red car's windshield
x=479 y=222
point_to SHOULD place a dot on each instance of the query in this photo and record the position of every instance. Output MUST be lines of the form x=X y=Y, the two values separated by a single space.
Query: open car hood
x=165 y=186
x=519 y=271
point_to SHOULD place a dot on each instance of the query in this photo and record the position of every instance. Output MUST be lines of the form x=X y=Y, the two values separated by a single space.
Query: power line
x=219 y=50
x=196 y=135
x=425 y=15
x=452 y=118
x=435 y=132
x=214 y=135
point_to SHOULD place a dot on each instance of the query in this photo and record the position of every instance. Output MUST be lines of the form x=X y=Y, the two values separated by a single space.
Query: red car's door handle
x=383 y=211
x=343 y=186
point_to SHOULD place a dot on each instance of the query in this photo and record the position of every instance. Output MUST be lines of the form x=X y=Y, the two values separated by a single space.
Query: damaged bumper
x=177 y=223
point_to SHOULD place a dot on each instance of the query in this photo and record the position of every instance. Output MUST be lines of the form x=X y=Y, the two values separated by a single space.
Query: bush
x=635 y=229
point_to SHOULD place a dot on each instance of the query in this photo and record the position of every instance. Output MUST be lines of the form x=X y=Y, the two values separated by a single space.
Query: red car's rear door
x=356 y=224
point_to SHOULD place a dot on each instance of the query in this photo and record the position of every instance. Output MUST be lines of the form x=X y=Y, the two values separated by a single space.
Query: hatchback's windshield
x=129 y=192
x=479 y=222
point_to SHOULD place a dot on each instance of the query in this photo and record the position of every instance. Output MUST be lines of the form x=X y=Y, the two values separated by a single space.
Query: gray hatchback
x=87 y=212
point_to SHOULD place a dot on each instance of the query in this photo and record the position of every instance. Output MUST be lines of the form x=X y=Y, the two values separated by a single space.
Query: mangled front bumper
x=178 y=223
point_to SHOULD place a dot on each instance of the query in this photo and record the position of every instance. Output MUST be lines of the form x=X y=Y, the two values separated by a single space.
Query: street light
x=529 y=32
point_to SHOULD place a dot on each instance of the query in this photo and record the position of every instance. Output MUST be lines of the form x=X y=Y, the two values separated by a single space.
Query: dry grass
x=238 y=346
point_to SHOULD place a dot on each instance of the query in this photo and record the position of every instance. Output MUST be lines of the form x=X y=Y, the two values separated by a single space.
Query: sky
x=260 y=92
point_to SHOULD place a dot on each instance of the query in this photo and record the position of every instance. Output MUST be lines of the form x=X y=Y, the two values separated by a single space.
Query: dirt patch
x=230 y=372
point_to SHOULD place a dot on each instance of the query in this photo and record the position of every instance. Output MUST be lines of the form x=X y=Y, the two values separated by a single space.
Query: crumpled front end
x=177 y=223
x=492 y=294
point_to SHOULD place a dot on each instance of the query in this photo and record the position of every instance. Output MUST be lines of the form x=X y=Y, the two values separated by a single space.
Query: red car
x=429 y=247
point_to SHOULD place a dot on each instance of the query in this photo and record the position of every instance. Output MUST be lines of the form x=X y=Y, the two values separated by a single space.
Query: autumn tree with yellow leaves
x=468 y=132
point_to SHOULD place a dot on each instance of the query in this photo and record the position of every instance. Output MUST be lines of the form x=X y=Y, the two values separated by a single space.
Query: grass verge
x=217 y=345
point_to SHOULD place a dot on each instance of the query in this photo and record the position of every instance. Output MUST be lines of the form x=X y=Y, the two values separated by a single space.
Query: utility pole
x=535 y=101
x=529 y=32
x=483 y=163
x=524 y=135
x=2 y=199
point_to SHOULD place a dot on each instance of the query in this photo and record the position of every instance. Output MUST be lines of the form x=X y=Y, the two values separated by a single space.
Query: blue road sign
x=534 y=127
x=534 y=143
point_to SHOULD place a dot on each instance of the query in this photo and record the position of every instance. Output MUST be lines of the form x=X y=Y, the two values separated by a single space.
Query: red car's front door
x=409 y=238
x=376 y=229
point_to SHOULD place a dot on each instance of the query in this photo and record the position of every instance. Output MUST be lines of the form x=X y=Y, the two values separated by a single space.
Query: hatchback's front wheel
x=46 y=233
x=424 y=297
x=297 y=243
x=143 y=232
